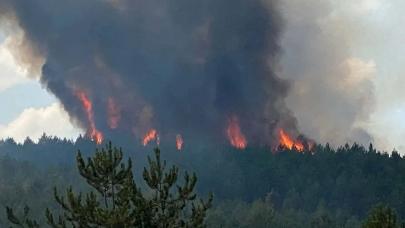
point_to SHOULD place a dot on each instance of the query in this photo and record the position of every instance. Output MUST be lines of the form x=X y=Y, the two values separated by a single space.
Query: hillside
x=342 y=183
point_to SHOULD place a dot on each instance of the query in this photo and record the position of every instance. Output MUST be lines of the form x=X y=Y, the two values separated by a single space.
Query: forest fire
x=94 y=134
x=211 y=92
x=114 y=113
x=288 y=142
x=235 y=135
x=150 y=136
x=179 y=142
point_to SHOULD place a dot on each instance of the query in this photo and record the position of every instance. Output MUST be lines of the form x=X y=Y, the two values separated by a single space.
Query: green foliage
x=329 y=185
x=322 y=221
x=259 y=213
x=321 y=218
x=24 y=221
x=381 y=217
x=118 y=202
x=167 y=207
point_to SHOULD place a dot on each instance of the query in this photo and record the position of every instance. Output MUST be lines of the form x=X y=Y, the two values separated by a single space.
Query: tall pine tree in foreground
x=118 y=202
x=381 y=217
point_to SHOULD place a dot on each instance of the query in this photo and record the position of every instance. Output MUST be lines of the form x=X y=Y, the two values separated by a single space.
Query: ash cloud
x=189 y=66
x=181 y=66
x=332 y=92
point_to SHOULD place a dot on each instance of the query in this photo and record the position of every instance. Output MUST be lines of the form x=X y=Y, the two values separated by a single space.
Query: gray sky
x=370 y=32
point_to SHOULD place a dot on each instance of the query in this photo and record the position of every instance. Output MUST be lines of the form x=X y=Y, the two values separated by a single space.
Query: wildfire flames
x=288 y=142
x=235 y=135
x=114 y=113
x=95 y=134
x=150 y=136
x=179 y=142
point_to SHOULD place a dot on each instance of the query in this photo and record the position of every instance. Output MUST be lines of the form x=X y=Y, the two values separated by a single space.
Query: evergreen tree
x=381 y=217
x=321 y=218
x=119 y=202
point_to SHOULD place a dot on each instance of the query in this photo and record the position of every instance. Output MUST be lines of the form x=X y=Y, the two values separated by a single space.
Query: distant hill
x=346 y=182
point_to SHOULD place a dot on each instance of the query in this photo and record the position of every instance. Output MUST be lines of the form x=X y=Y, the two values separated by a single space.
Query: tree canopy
x=324 y=187
x=117 y=201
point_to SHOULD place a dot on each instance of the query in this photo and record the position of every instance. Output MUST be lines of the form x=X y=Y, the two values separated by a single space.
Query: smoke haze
x=189 y=67
x=332 y=94
x=184 y=67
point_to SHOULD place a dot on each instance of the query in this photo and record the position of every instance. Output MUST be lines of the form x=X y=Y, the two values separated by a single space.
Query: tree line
x=256 y=187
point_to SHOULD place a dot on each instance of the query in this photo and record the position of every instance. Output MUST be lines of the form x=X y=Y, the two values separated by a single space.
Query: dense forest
x=255 y=187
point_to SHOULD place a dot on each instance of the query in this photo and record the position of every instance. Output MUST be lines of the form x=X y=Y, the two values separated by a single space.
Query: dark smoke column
x=182 y=67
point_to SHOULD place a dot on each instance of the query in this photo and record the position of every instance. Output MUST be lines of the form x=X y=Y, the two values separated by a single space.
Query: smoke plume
x=183 y=67
x=332 y=92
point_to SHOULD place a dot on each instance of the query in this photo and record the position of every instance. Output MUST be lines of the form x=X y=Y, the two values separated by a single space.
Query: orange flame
x=179 y=142
x=151 y=135
x=288 y=142
x=95 y=134
x=114 y=113
x=235 y=135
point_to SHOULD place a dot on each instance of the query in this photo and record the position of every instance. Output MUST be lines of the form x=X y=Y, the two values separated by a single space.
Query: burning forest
x=208 y=74
x=270 y=103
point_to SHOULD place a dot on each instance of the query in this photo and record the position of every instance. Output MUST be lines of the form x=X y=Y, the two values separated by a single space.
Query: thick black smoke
x=180 y=66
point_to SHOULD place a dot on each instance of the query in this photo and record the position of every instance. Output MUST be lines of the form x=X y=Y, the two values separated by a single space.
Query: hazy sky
x=373 y=31
x=28 y=109
x=382 y=41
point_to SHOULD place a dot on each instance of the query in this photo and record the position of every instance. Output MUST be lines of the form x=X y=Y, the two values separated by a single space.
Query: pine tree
x=118 y=202
x=381 y=217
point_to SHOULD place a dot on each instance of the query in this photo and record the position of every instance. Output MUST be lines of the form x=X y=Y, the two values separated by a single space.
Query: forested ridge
x=325 y=187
